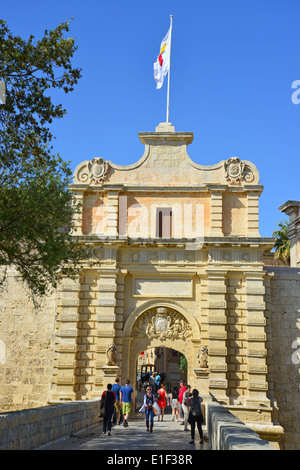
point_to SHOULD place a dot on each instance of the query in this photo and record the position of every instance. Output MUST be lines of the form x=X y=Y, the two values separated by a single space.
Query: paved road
x=167 y=436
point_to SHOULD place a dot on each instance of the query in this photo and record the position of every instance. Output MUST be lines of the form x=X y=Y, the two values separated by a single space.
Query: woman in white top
x=149 y=403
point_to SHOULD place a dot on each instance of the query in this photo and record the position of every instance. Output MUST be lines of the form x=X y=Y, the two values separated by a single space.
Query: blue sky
x=232 y=67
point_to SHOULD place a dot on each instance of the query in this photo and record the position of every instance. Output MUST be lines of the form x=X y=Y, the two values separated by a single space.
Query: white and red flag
x=162 y=64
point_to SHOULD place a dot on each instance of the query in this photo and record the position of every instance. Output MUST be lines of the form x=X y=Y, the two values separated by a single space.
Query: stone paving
x=167 y=436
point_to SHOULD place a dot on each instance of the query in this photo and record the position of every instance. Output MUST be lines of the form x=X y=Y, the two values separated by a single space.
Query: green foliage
x=282 y=242
x=182 y=364
x=36 y=206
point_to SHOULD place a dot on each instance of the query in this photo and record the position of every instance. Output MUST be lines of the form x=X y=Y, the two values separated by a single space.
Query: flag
x=162 y=64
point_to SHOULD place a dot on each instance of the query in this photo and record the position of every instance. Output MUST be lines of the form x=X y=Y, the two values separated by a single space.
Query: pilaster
x=253 y=211
x=77 y=220
x=106 y=318
x=112 y=210
x=66 y=342
x=217 y=334
x=216 y=210
x=256 y=339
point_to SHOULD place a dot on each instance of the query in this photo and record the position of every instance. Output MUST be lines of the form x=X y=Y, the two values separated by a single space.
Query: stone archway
x=160 y=324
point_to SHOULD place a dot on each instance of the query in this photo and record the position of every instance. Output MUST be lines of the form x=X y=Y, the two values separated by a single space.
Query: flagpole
x=169 y=72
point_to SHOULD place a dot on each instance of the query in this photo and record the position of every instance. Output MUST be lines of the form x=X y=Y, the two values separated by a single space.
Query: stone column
x=78 y=195
x=106 y=317
x=112 y=209
x=119 y=315
x=66 y=342
x=253 y=194
x=216 y=211
x=217 y=334
x=256 y=339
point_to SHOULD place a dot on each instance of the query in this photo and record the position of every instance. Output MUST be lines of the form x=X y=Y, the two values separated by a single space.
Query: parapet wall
x=227 y=432
x=30 y=429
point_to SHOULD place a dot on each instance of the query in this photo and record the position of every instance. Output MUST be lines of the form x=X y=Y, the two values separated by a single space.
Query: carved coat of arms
x=97 y=169
x=163 y=324
x=238 y=171
x=93 y=171
x=234 y=168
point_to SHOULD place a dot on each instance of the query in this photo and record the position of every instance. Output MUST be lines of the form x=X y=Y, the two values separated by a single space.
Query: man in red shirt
x=180 y=396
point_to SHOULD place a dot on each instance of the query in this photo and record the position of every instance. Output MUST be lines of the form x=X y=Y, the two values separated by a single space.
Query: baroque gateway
x=177 y=261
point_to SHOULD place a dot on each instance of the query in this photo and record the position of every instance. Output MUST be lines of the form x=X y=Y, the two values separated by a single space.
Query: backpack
x=196 y=407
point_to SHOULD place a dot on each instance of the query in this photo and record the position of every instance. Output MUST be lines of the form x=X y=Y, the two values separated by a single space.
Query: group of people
x=116 y=400
x=155 y=380
x=189 y=410
x=186 y=405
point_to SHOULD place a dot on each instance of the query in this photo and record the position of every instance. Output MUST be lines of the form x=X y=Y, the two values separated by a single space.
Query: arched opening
x=167 y=363
x=165 y=326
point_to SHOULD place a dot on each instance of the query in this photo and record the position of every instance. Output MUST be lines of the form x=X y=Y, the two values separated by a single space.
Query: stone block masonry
x=283 y=321
x=200 y=288
x=30 y=429
x=227 y=432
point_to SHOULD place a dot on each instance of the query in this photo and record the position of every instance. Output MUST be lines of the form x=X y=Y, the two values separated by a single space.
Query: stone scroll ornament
x=162 y=323
x=94 y=171
x=237 y=171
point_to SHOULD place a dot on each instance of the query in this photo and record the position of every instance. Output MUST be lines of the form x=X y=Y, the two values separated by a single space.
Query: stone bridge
x=53 y=427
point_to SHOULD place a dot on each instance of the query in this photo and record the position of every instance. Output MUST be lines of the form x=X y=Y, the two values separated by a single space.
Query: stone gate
x=176 y=261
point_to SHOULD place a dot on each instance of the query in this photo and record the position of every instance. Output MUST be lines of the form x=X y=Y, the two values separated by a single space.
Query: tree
x=182 y=364
x=282 y=242
x=36 y=206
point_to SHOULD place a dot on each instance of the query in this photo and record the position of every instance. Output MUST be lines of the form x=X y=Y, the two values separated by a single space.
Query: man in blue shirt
x=157 y=381
x=126 y=400
x=116 y=388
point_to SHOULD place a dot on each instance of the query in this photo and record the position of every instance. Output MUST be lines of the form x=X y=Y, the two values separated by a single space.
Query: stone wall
x=26 y=347
x=30 y=429
x=283 y=345
x=227 y=432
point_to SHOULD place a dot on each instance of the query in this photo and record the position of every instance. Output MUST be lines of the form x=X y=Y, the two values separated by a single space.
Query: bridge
x=76 y=426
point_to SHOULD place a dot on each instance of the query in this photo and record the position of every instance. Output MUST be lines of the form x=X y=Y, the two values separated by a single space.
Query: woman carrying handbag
x=107 y=408
x=149 y=408
x=195 y=415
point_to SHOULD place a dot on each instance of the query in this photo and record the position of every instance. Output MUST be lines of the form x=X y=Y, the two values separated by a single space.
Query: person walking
x=175 y=405
x=149 y=400
x=107 y=402
x=126 y=401
x=195 y=415
x=180 y=395
x=162 y=401
x=117 y=411
x=185 y=406
x=152 y=381
x=157 y=381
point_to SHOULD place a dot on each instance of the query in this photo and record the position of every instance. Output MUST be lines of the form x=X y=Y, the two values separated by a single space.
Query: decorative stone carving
x=93 y=171
x=237 y=171
x=203 y=357
x=111 y=353
x=248 y=174
x=162 y=323
x=97 y=168
x=234 y=170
